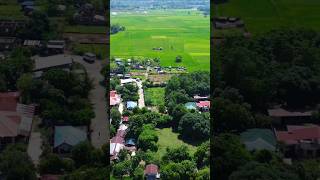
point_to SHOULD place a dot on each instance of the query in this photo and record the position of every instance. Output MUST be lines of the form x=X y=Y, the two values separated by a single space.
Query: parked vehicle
x=89 y=57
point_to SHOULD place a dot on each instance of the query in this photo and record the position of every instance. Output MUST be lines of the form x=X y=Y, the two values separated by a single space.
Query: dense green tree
x=229 y=116
x=183 y=170
x=116 y=117
x=196 y=124
x=16 y=164
x=176 y=155
x=202 y=155
x=53 y=164
x=138 y=173
x=229 y=155
x=122 y=168
x=148 y=138
x=255 y=170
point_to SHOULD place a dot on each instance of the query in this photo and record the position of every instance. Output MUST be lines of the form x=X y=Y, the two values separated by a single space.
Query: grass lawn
x=11 y=11
x=264 y=15
x=93 y=48
x=85 y=29
x=167 y=138
x=178 y=32
x=155 y=95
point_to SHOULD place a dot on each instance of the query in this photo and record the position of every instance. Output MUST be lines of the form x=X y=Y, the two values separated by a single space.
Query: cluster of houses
x=200 y=103
x=227 y=22
x=120 y=142
x=293 y=134
x=15 y=119
x=86 y=15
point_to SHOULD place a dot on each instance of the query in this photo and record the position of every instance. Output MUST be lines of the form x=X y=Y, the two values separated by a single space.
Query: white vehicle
x=89 y=57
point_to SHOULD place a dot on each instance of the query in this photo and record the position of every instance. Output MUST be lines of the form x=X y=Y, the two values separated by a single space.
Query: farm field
x=11 y=11
x=85 y=29
x=98 y=49
x=178 y=32
x=169 y=139
x=264 y=15
x=155 y=96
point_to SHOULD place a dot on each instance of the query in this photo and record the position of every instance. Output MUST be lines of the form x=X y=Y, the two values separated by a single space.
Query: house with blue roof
x=130 y=142
x=259 y=139
x=190 y=105
x=131 y=105
x=65 y=137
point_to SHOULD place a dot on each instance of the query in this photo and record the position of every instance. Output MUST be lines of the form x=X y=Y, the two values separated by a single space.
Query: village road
x=100 y=124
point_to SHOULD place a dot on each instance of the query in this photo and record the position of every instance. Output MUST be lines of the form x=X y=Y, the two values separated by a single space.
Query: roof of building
x=130 y=142
x=258 y=139
x=197 y=97
x=114 y=98
x=280 y=112
x=50 y=177
x=56 y=44
x=203 y=104
x=15 y=118
x=190 y=105
x=69 y=134
x=51 y=61
x=131 y=104
x=7 y=40
x=295 y=134
x=9 y=101
x=151 y=169
x=125 y=118
x=27 y=3
x=31 y=43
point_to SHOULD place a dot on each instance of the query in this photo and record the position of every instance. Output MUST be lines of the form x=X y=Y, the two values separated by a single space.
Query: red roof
x=9 y=101
x=125 y=118
x=202 y=104
x=298 y=133
x=151 y=169
x=50 y=177
x=114 y=98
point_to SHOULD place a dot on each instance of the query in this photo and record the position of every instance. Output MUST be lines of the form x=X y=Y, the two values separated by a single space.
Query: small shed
x=131 y=105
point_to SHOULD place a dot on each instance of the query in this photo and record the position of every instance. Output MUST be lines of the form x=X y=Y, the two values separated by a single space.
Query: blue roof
x=131 y=104
x=27 y=3
x=69 y=135
x=190 y=105
x=130 y=142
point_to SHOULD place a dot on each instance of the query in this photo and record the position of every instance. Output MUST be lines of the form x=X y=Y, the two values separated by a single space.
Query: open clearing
x=167 y=138
x=264 y=15
x=155 y=96
x=178 y=32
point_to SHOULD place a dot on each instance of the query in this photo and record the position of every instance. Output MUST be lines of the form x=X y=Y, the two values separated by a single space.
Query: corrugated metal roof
x=69 y=134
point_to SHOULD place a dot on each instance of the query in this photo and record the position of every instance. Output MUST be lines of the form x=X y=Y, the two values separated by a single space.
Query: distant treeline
x=163 y=4
x=115 y=28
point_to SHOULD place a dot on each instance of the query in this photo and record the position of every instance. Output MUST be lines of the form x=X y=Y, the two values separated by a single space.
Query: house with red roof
x=285 y=116
x=203 y=106
x=15 y=119
x=117 y=142
x=300 y=141
x=151 y=172
x=114 y=98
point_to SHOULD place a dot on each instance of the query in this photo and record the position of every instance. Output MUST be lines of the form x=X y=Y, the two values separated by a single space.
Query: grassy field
x=263 y=15
x=93 y=48
x=178 y=32
x=155 y=95
x=85 y=29
x=167 y=138
x=11 y=11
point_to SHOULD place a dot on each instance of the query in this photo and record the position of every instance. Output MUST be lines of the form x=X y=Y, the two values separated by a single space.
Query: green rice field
x=264 y=15
x=178 y=32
